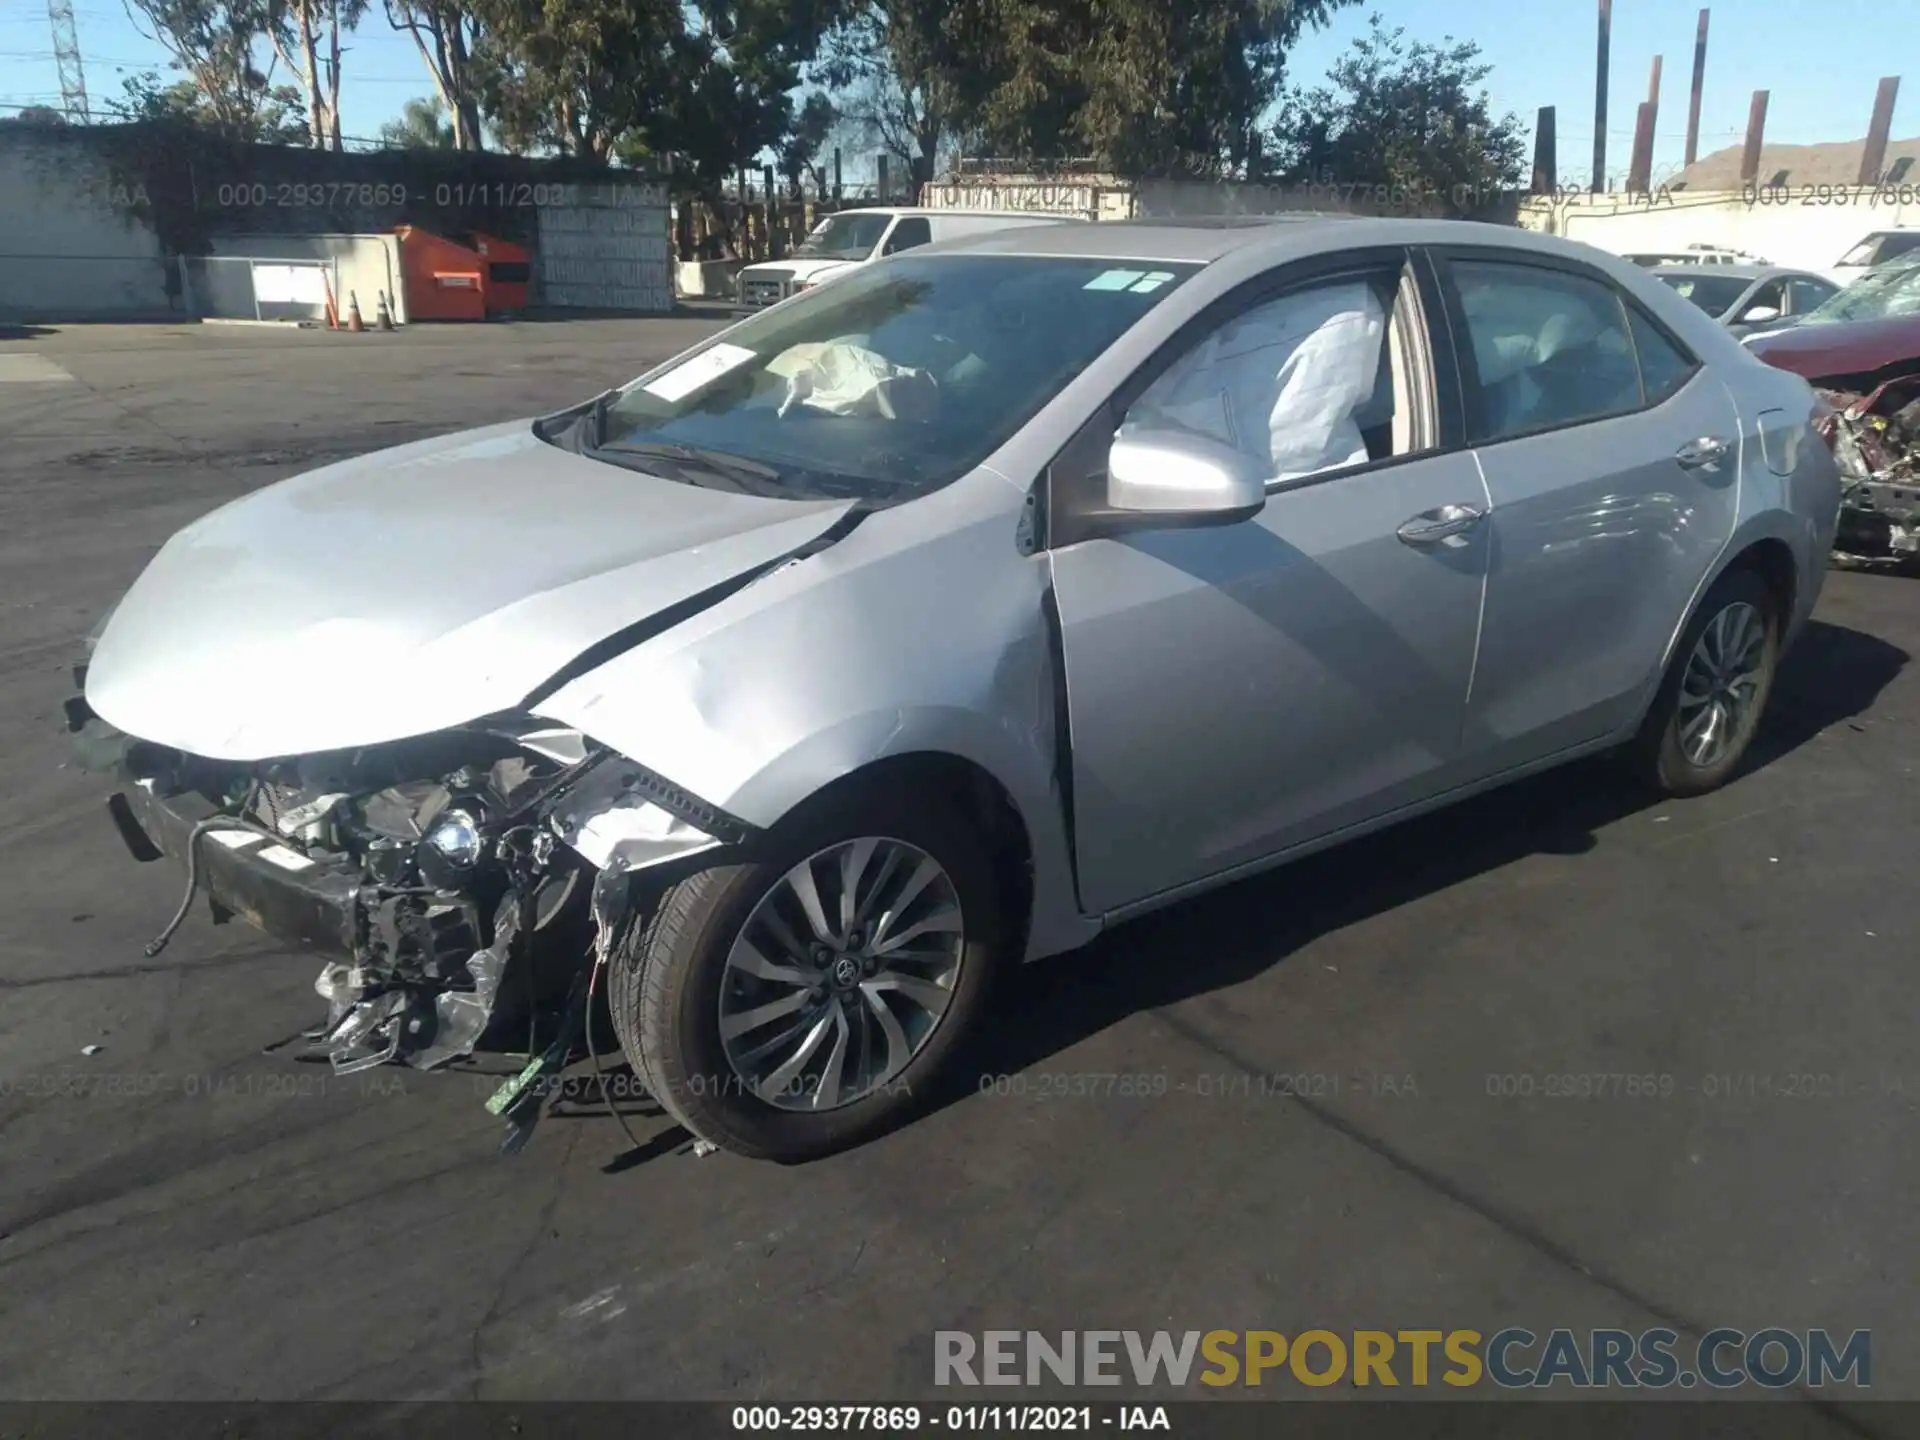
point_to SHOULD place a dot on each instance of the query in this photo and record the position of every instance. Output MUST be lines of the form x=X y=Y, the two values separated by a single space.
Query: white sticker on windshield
x=1152 y=280
x=703 y=369
x=1114 y=279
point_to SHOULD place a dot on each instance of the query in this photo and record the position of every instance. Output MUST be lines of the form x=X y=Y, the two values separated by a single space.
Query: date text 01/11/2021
x=952 y=1419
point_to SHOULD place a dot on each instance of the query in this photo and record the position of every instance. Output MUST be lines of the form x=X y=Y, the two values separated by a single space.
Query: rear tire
x=729 y=945
x=1715 y=692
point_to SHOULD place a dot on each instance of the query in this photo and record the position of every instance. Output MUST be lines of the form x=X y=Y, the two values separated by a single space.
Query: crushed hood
x=412 y=589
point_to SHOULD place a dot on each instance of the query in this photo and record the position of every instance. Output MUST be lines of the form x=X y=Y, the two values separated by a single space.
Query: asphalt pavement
x=1335 y=1110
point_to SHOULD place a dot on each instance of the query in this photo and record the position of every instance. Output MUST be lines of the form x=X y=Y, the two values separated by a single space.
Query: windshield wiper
x=747 y=476
x=739 y=474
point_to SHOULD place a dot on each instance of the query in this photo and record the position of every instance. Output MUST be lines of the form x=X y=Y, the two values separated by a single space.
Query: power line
x=54 y=55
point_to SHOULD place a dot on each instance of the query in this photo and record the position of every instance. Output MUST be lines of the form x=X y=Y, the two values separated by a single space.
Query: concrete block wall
x=1785 y=231
x=73 y=245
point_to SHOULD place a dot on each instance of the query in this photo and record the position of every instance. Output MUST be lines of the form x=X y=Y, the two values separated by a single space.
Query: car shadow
x=1243 y=930
x=13 y=330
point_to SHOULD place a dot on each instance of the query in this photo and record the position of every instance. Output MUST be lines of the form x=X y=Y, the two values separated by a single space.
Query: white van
x=1876 y=248
x=848 y=238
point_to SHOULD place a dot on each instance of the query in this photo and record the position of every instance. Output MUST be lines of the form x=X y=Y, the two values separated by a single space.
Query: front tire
x=796 y=1002
x=1709 y=706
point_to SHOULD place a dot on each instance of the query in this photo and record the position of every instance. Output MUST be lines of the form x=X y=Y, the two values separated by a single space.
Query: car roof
x=1201 y=240
x=940 y=210
x=1196 y=240
x=1738 y=272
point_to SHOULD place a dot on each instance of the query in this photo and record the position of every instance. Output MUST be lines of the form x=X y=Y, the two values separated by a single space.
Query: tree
x=35 y=115
x=576 y=75
x=446 y=32
x=1136 y=86
x=213 y=42
x=422 y=126
x=306 y=36
x=1406 y=117
x=806 y=142
x=1180 y=89
x=910 y=77
x=275 y=115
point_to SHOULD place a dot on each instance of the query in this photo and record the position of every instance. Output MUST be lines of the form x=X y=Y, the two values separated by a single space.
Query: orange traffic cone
x=354 y=322
x=383 y=319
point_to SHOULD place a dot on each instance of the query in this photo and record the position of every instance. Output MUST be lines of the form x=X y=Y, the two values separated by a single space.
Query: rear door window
x=1664 y=366
x=1545 y=348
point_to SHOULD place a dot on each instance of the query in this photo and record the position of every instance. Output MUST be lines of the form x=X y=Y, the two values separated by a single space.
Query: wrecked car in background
x=940 y=617
x=1861 y=352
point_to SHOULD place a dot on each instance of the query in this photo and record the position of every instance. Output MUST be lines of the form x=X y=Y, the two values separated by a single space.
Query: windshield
x=884 y=385
x=844 y=237
x=1715 y=294
x=1877 y=295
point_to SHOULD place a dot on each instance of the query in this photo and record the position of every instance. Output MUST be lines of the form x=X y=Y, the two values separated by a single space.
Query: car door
x=1611 y=457
x=1235 y=691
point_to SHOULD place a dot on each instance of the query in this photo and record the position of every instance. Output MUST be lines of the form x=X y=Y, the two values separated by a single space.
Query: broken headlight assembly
x=439 y=862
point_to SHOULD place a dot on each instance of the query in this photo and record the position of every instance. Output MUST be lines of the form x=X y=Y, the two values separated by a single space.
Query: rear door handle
x=1699 y=454
x=1437 y=524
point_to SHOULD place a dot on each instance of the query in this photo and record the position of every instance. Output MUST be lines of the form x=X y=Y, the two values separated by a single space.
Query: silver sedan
x=942 y=618
x=1749 y=298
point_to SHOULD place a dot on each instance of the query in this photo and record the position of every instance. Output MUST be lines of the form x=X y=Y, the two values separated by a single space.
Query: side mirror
x=1173 y=479
x=1759 y=315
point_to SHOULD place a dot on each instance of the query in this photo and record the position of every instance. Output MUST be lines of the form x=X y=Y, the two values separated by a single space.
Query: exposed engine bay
x=458 y=883
x=1876 y=441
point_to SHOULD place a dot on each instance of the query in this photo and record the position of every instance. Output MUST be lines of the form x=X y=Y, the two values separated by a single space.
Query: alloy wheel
x=841 y=974
x=1721 y=685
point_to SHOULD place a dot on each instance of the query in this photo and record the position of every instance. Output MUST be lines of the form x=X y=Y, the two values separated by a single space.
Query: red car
x=1861 y=350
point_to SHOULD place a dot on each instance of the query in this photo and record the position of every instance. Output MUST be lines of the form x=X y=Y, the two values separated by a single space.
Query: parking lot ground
x=1347 y=1095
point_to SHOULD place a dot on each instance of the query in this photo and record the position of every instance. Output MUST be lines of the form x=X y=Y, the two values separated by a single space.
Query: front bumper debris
x=337 y=854
x=272 y=887
x=1876 y=442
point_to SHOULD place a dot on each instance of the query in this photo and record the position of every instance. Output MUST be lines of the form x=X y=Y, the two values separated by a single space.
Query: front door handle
x=1437 y=524
x=1702 y=454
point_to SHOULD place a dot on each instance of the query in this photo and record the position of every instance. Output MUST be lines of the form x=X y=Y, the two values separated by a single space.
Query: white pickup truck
x=848 y=238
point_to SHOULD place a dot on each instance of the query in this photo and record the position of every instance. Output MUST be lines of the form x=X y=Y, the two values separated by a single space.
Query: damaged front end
x=1875 y=439
x=440 y=876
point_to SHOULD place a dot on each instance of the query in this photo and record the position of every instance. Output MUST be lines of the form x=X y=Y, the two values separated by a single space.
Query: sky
x=1816 y=57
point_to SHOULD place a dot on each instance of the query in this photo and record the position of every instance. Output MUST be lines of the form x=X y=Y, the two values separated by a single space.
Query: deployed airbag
x=842 y=378
x=1283 y=383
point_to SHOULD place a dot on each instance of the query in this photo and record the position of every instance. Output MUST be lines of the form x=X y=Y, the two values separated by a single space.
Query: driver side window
x=907 y=233
x=1306 y=382
x=1768 y=297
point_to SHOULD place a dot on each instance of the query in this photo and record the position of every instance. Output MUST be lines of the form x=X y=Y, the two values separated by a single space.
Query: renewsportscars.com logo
x=1514 y=1358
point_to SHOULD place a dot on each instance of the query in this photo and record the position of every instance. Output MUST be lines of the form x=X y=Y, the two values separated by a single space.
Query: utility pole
x=1600 y=99
x=66 y=58
x=1699 y=83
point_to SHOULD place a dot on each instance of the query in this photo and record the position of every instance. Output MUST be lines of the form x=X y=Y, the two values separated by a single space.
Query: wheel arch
x=1003 y=780
x=974 y=791
x=1762 y=547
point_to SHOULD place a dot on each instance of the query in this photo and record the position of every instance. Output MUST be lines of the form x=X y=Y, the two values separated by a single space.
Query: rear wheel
x=1710 y=704
x=794 y=1004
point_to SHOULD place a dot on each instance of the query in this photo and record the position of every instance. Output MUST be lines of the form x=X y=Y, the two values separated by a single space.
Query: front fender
x=921 y=631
